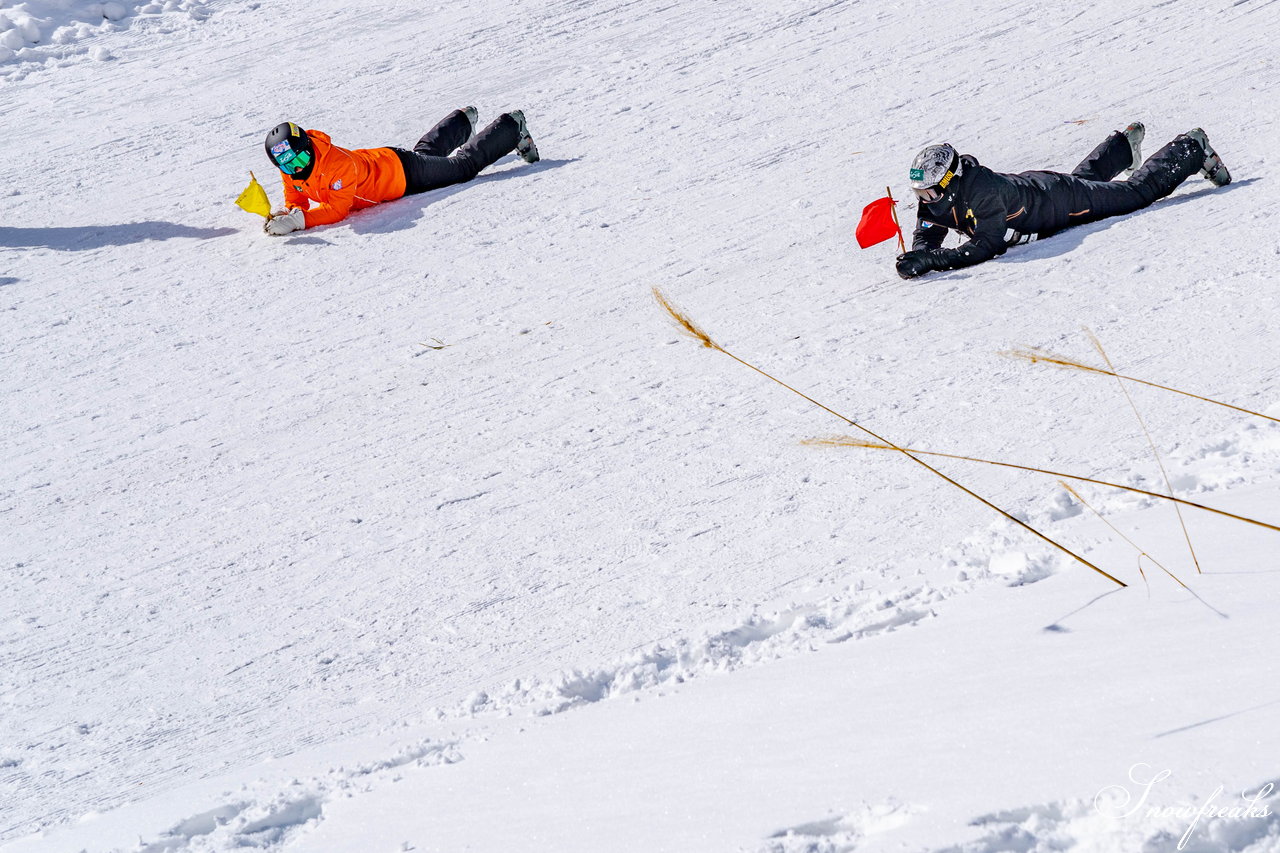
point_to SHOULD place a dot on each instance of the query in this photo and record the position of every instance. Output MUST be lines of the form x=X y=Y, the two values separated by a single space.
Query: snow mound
x=265 y=817
x=33 y=31
x=840 y=833
x=758 y=637
x=1202 y=827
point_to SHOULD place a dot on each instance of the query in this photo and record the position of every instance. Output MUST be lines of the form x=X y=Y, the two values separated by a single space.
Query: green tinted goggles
x=291 y=162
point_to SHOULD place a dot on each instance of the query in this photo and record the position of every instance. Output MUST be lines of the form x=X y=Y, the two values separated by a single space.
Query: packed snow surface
x=430 y=530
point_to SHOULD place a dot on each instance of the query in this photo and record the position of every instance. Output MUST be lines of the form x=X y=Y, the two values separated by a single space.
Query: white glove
x=284 y=223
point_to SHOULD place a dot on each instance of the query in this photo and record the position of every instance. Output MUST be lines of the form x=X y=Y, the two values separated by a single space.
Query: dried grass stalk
x=683 y=322
x=1038 y=356
x=1141 y=552
x=849 y=441
x=691 y=329
x=1168 y=484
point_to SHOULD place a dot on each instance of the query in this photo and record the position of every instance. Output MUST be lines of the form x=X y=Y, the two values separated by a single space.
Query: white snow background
x=429 y=531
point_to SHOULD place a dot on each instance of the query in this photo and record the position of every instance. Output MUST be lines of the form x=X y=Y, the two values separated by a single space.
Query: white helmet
x=932 y=171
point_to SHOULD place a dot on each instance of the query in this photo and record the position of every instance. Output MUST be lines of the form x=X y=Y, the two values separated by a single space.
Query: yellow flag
x=254 y=198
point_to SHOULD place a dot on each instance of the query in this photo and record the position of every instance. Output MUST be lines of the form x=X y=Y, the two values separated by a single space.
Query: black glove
x=915 y=263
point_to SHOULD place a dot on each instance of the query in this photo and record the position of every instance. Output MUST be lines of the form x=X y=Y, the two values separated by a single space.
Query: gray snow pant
x=444 y=156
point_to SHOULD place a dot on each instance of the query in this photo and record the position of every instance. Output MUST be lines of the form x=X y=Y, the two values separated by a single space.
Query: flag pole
x=893 y=208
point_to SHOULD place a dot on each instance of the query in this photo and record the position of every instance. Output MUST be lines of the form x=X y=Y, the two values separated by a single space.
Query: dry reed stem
x=1036 y=356
x=691 y=329
x=1168 y=484
x=849 y=441
x=1141 y=552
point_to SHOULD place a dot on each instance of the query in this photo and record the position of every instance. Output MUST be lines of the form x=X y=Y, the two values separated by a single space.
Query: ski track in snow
x=239 y=483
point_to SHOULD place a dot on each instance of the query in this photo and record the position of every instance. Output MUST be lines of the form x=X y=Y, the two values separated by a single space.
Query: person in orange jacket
x=339 y=180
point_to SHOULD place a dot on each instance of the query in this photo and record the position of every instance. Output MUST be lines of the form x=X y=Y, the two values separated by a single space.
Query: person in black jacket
x=996 y=211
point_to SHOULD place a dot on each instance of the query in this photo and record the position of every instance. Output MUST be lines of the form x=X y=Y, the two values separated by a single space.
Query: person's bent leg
x=1167 y=168
x=1159 y=176
x=440 y=141
x=424 y=172
x=491 y=144
x=1112 y=156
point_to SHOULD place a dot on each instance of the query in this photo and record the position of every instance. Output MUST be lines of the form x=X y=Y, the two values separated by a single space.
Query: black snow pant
x=444 y=156
x=1097 y=196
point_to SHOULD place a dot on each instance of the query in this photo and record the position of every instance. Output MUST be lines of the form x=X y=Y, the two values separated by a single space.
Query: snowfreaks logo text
x=1119 y=801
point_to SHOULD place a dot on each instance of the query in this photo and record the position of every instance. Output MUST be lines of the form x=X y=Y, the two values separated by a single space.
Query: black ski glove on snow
x=916 y=263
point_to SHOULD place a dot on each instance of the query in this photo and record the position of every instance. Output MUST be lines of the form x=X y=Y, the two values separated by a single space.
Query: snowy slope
x=247 y=515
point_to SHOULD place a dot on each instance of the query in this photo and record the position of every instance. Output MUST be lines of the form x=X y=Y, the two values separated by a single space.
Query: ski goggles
x=928 y=195
x=291 y=162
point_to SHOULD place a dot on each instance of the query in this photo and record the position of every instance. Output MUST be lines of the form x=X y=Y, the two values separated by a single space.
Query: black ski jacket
x=996 y=211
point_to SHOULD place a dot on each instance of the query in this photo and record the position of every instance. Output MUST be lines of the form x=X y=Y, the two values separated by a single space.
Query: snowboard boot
x=1213 y=169
x=473 y=116
x=1134 y=133
x=524 y=145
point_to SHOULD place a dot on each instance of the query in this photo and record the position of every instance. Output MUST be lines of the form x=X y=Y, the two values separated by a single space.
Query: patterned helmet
x=932 y=171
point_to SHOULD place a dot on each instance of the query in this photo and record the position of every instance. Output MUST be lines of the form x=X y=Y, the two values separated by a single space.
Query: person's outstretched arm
x=986 y=217
x=340 y=183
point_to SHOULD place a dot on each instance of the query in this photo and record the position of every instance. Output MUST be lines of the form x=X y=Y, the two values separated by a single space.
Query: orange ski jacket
x=344 y=180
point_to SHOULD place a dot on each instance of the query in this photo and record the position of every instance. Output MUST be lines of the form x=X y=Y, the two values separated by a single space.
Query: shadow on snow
x=1070 y=238
x=79 y=238
x=410 y=208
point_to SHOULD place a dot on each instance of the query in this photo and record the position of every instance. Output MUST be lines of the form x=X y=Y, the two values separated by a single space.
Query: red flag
x=877 y=224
